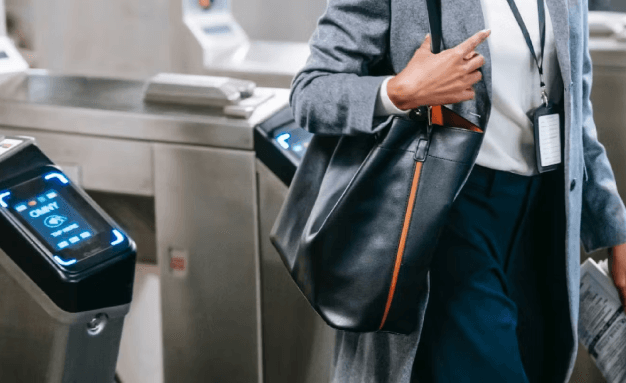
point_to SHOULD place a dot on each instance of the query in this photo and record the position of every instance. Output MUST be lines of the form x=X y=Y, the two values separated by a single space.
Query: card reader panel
x=59 y=217
x=40 y=209
x=281 y=144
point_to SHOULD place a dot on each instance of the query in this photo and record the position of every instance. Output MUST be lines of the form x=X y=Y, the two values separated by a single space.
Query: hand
x=617 y=267
x=438 y=79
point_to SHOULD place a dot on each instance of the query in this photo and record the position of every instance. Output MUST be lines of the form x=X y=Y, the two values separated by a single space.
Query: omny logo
x=36 y=213
x=54 y=221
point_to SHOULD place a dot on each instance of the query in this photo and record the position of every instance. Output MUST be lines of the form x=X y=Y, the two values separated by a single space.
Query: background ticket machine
x=66 y=274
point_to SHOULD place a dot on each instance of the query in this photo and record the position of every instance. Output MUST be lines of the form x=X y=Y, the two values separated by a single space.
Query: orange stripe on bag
x=446 y=117
x=405 y=232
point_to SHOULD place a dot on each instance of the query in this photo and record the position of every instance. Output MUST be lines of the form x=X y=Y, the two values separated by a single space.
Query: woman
x=504 y=283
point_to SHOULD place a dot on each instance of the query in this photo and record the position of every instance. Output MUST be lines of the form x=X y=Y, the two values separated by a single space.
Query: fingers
x=621 y=291
x=617 y=268
x=620 y=284
x=471 y=55
x=424 y=48
x=475 y=62
x=470 y=44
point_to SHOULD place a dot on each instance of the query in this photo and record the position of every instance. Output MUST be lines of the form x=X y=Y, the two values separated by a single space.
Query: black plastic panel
x=101 y=271
x=280 y=144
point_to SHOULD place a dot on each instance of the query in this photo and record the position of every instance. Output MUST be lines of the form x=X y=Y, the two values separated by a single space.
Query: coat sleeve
x=603 y=213
x=335 y=93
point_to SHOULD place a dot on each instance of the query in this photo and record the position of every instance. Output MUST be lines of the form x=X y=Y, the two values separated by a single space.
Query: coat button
x=572 y=185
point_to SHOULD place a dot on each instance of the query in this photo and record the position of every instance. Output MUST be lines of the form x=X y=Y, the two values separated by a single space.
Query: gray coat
x=358 y=41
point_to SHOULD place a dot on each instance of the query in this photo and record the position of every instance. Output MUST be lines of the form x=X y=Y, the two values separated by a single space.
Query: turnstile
x=66 y=274
x=186 y=183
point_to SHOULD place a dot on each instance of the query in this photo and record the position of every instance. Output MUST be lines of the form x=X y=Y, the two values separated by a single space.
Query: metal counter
x=114 y=108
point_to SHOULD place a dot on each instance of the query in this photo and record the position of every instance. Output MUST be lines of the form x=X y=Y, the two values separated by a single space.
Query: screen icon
x=74 y=239
x=51 y=195
x=63 y=245
x=85 y=234
x=54 y=221
x=41 y=199
x=20 y=208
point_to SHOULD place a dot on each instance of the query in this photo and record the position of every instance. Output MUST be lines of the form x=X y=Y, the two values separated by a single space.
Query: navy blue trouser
x=485 y=317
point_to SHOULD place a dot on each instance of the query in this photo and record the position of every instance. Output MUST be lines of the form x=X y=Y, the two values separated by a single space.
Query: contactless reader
x=66 y=274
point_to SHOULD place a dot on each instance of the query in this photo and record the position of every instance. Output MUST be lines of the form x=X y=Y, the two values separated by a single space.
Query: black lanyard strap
x=542 y=26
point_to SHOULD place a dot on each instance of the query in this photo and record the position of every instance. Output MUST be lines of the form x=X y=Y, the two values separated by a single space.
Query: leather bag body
x=364 y=213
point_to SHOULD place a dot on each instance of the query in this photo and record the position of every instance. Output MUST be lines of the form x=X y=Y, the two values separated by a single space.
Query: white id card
x=547 y=126
x=550 y=139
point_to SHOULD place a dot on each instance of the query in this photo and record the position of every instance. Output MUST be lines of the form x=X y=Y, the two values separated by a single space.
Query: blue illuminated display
x=2 y=197
x=62 y=220
x=58 y=176
x=119 y=238
x=282 y=140
x=63 y=262
x=54 y=219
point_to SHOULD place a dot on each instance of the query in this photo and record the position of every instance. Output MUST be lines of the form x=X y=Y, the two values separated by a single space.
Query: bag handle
x=434 y=21
x=434 y=24
x=439 y=114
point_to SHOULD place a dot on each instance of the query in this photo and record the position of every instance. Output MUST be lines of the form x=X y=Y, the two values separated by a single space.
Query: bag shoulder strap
x=434 y=18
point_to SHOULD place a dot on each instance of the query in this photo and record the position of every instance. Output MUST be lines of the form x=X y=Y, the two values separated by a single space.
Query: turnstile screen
x=51 y=209
x=280 y=144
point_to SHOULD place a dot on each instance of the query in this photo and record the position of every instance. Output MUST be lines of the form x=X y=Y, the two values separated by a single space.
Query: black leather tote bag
x=363 y=214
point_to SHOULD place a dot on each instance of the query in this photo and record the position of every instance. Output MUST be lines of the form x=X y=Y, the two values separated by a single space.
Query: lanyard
x=542 y=26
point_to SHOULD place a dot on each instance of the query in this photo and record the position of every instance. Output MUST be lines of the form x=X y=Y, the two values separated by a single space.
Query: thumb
x=426 y=42
x=426 y=45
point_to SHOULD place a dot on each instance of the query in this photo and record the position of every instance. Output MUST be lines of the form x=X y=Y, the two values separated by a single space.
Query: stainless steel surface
x=297 y=344
x=103 y=162
x=114 y=108
x=39 y=342
x=206 y=205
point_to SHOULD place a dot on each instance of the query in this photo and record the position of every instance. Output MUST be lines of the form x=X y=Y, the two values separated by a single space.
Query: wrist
x=396 y=94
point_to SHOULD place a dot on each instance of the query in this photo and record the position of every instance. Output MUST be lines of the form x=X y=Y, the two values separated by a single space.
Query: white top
x=508 y=144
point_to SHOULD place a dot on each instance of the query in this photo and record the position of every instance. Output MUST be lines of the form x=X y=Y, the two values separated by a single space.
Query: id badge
x=548 y=126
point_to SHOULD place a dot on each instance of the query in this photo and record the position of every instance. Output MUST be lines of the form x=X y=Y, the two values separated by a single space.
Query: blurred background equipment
x=10 y=58
x=261 y=40
x=209 y=40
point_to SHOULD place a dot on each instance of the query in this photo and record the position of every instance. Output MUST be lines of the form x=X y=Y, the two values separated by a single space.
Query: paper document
x=550 y=139
x=602 y=323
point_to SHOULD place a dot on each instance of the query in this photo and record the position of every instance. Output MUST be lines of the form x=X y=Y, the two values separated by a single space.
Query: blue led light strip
x=58 y=176
x=61 y=262
x=282 y=140
x=2 y=197
x=119 y=238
